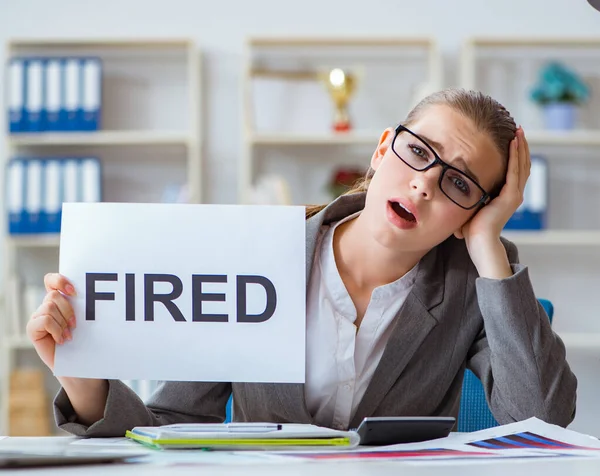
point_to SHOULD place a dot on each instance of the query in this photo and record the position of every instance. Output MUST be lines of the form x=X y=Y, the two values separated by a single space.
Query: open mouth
x=402 y=212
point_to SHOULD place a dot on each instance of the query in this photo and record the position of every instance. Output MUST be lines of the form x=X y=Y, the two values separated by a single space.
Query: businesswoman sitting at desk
x=409 y=284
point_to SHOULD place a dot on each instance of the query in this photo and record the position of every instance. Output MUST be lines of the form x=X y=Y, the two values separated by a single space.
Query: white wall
x=220 y=28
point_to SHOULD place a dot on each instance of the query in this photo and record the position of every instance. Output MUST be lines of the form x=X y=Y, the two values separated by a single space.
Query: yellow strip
x=242 y=442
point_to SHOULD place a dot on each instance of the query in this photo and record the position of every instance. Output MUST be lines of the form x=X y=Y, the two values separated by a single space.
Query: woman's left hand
x=484 y=229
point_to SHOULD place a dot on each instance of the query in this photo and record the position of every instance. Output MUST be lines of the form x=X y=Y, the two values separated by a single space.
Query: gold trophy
x=341 y=86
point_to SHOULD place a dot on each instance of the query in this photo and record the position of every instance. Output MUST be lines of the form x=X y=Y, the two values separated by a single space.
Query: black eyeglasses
x=454 y=183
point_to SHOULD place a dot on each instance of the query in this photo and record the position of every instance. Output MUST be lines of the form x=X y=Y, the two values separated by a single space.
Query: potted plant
x=559 y=91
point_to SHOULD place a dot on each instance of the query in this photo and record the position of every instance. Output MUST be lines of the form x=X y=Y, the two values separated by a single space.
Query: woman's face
x=397 y=188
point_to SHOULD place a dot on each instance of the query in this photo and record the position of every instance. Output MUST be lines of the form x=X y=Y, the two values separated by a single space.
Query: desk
x=512 y=467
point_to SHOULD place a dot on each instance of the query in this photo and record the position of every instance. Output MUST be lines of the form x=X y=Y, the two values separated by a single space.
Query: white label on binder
x=15 y=187
x=33 y=201
x=538 y=181
x=34 y=85
x=52 y=202
x=71 y=181
x=90 y=171
x=72 y=84
x=53 y=86
x=91 y=81
x=15 y=100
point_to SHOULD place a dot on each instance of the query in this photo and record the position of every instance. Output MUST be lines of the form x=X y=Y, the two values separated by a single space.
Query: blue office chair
x=228 y=409
x=474 y=412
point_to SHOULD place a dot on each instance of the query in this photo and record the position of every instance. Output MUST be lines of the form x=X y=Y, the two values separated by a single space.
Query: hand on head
x=491 y=219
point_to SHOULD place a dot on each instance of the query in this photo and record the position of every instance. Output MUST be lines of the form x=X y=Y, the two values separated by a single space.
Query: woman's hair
x=488 y=115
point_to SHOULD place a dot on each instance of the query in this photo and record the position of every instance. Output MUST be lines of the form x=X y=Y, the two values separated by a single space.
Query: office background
x=210 y=103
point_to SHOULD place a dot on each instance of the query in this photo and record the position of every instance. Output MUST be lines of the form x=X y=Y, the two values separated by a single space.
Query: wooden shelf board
x=100 y=138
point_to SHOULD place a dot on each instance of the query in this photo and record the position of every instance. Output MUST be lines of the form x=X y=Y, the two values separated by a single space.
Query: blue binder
x=16 y=95
x=53 y=97
x=34 y=98
x=15 y=195
x=52 y=200
x=72 y=90
x=91 y=93
x=33 y=196
x=71 y=180
x=91 y=179
x=533 y=212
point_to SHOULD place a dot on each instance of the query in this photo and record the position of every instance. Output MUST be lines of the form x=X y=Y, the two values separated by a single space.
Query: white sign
x=185 y=292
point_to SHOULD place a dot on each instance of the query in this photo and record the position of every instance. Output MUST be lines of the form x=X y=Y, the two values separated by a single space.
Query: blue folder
x=533 y=212
x=37 y=187
x=91 y=88
x=53 y=95
x=16 y=95
x=15 y=195
x=72 y=87
x=34 y=97
x=52 y=196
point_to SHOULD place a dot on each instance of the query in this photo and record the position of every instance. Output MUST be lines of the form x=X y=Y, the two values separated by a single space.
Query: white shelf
x=535 y=41
x=566 y=138
x=581 y=340
x=554 y=237
x=575 y=137
x=34 y=241
x=100 y=138
x=327 y=41
x=147 y=43
x=342 y=138
x=18 y=342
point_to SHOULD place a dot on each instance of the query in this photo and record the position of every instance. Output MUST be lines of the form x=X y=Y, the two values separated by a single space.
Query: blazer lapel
x=340 y=208
x=412 y=324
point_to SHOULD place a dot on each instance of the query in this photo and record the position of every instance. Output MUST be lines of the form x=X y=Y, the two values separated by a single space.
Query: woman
x=409 y=284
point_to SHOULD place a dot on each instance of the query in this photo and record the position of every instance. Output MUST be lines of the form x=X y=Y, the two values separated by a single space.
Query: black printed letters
x=198 y=296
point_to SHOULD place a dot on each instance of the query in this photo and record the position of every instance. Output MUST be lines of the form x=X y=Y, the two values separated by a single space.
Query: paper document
x=525 y=439
x=164 y=289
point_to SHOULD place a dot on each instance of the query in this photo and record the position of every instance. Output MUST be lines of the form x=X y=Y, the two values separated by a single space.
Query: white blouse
x=340 y=361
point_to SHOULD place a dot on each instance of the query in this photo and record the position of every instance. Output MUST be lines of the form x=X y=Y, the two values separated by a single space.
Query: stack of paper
x=242 y=436
x=532 y=438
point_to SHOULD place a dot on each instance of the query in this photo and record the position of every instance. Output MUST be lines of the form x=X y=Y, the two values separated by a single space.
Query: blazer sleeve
x=172 y=402
x=520 y=361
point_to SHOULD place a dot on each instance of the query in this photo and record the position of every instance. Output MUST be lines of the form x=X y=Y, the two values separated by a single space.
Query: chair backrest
x=474 y=411
x=228 y=409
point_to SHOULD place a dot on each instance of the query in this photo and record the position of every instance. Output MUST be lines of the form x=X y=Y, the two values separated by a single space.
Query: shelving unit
x=150 y=139
x=287 y=113
x=563 y=259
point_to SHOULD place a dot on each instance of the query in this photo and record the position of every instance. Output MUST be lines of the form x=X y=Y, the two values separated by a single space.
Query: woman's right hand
x=53 y=321
x=51 y=324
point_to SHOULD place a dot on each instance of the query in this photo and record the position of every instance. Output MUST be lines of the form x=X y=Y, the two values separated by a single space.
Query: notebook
x=242 y=436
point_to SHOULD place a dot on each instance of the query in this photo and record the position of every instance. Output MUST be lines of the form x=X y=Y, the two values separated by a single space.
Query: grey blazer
x=451 y=320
